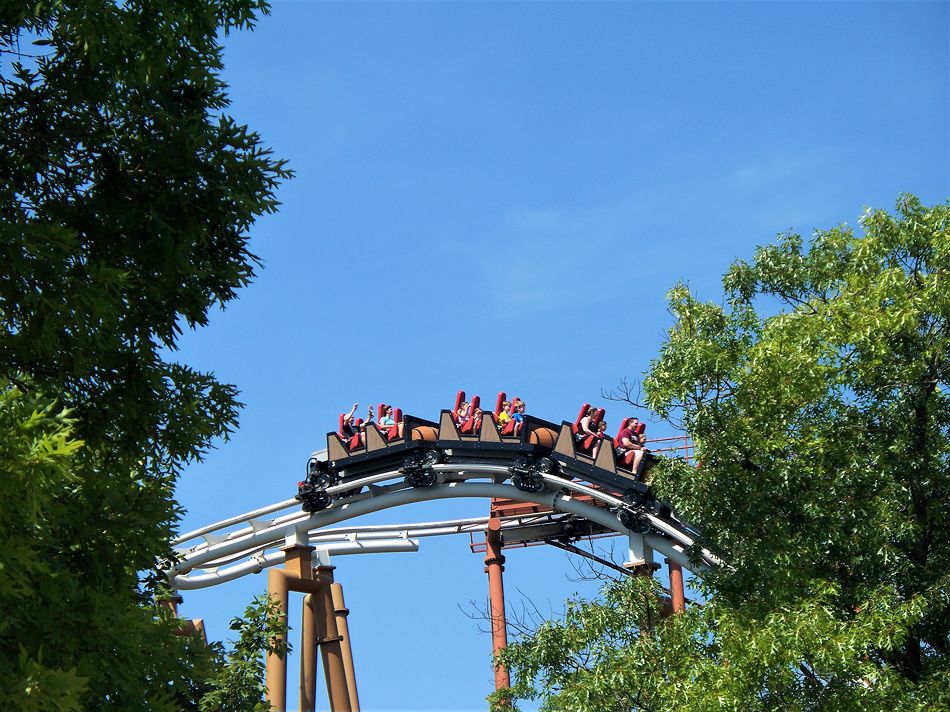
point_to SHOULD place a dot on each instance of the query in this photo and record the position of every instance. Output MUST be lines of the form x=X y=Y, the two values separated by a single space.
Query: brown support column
x=341 y=612
x=676 y=586
x=328 y=638
x=170 y=602
x=308 y=657
x=495 y=565
x=276 y=679
x=298 y=565
x=298 y=560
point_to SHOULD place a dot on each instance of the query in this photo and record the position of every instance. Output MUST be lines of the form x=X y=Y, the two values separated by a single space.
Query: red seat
x=501 y=399
x=391 y=432
x=584 y=446
x=472 y=425
x=499 y=407
x=580 y=416
x=394 y=429
x=588 y=444
x=623 y=424
x=627 y=459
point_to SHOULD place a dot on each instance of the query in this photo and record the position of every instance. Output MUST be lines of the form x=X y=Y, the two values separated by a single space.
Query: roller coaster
x=543 y=480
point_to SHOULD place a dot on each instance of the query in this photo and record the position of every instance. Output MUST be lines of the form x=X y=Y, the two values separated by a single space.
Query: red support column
x=494 y=566
x=676 y=586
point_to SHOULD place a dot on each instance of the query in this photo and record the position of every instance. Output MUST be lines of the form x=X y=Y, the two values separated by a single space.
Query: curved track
x=250 y=542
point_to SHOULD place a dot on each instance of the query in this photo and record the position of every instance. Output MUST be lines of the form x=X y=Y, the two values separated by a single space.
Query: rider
x=518 y=417
x=584 y=430
x=386 y=421
x=350 y=426
x=504 y=415
x=627 y=440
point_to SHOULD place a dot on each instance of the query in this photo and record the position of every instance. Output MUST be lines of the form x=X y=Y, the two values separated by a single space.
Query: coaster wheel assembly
x=527 y=475
x=312 y=491
x=417 y=468
x=633 y=521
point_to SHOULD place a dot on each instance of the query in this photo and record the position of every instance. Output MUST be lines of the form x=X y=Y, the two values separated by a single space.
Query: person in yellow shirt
x=505 y=415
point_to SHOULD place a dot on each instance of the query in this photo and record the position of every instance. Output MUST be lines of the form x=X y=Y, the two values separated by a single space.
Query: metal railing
x=678 y=446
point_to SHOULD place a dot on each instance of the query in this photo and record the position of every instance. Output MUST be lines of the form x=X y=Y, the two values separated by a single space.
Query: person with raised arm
x=351 y=427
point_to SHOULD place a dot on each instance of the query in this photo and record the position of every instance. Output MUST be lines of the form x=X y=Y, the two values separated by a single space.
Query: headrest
x=623 y=424
x=581 y=414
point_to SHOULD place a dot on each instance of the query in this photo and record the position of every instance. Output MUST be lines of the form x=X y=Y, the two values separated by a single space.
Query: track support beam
x=677 y=592
x=329 y=640
x=308 y=657
x=319 y=628
x=495 y=566
x=341 y=612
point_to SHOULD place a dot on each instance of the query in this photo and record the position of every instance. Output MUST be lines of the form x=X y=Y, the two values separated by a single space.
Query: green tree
x=36 y=448
x=126 y=196
x=238 y=685
x=817 y=396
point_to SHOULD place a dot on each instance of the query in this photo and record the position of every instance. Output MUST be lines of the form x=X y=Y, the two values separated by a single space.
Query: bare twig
x=624 y=392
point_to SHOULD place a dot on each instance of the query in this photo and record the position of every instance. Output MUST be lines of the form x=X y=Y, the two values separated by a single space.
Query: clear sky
x=498 y=196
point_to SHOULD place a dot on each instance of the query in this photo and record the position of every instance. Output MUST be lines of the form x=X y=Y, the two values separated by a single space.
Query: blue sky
x=498 y=196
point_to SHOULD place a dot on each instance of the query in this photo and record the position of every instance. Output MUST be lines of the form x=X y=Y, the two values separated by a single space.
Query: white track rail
x=219 y=552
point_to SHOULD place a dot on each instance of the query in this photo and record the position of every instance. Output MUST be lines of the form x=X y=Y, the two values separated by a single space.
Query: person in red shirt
x=628 y=440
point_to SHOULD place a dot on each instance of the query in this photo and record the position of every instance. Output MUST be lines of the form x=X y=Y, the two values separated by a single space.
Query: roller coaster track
x=566 y=505
x=543 y=490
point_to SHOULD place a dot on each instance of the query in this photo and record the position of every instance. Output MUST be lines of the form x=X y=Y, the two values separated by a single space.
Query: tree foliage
x=817 y=397
x=35 y=451
x=126 y=196
x=238 y=684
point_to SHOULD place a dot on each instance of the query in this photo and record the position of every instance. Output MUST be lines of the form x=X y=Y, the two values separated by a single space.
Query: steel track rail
x=254 y=539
